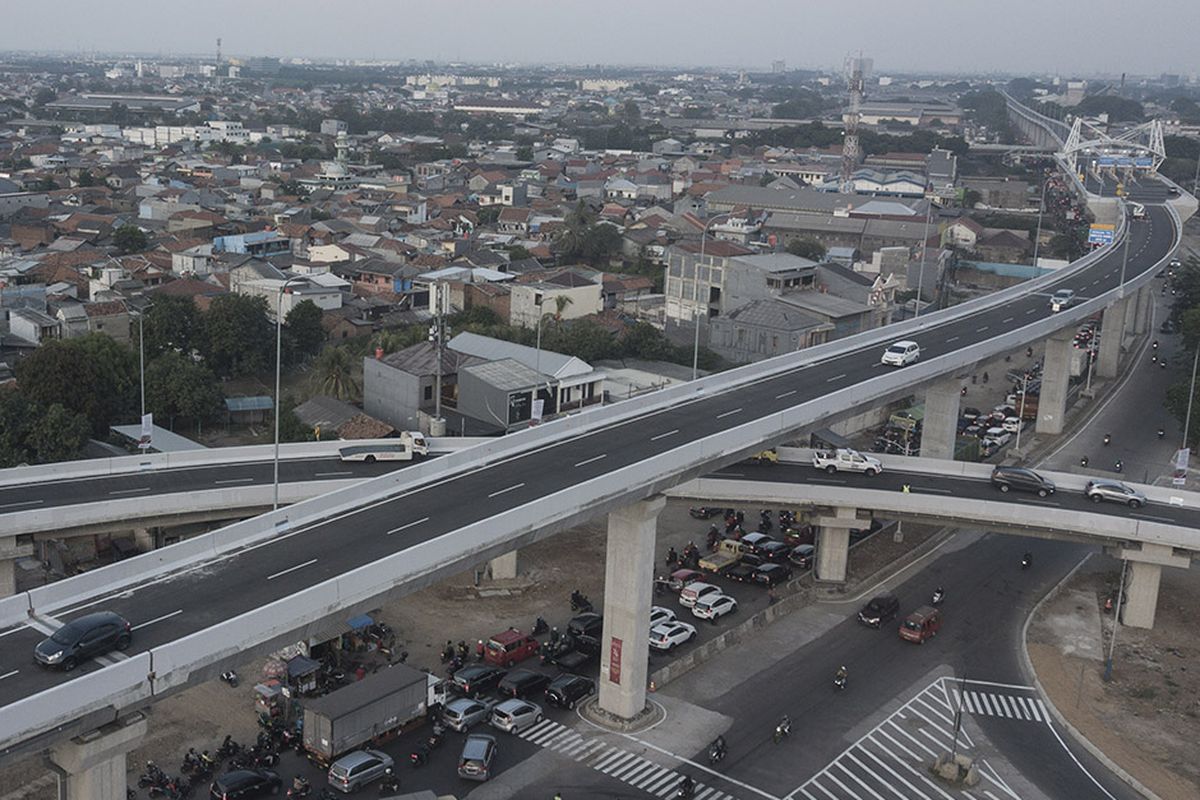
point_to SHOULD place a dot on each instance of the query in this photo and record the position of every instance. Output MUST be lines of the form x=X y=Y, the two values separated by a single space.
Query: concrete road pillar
x=1112 y=331
x=1141 y=595
x=144 y=538
x=833 y=544
x=1056 y=373
x=94 y=762
x=1141 y=317
x=628 y=592
x=10 y=551
x=504 y=567
x=939 y=428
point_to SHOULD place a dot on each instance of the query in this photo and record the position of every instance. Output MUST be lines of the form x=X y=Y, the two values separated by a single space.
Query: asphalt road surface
x=167 y=609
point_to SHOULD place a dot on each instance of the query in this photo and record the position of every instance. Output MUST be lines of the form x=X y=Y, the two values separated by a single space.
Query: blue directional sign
x=1101 y=234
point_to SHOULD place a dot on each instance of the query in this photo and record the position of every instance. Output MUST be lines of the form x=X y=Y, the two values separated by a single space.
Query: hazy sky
x=1059 y=36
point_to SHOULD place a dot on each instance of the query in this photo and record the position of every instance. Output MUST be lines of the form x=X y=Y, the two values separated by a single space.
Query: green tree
x=488 y=215
x=631 y=112
x=57 y=435
x=239 y=339
x=173 y=323
x=303 y=331
x=524 y=153
x=291 y=429
x=45 y=95
x=333 y=374
x=93 y=375
x=601 y=242
x=178 y=387
x=129 y=238
x=806 y=247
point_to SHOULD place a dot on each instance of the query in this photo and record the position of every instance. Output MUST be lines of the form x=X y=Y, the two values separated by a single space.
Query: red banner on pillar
x=614 y=660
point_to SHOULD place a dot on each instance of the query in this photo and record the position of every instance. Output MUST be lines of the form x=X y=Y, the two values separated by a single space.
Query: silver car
x=464 y=712
x=1115 y=491
x=514 y=716
x=354 y=770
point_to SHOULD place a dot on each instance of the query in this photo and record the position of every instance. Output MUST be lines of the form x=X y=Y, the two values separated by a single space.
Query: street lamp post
x=924 y=249
x=1125 y=256
x=1037 y=239
x=278 y=363
x=696 y=292
x=1021 y=410
x=142 y=355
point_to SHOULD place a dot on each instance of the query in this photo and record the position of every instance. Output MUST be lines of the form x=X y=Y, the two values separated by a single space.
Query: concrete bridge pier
x=833 y=544
x=92 y=766
x=628 y=595
x=1112 y=332
x=10 y=551
x=1056 y=375
x=504 y=567
x=1141 y=584
x=939 y=429
x=1142 y=310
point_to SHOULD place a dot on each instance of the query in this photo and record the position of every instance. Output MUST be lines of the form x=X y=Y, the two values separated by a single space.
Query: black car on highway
x=80 y=639
x=522 y=683
x=743 y=570
x=878 y=610
x=476 y=679
x=1022 y=479
x=771 y=575
x=566 y=690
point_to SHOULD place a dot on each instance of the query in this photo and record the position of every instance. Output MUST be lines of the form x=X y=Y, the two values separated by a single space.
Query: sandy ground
x=1147 y=719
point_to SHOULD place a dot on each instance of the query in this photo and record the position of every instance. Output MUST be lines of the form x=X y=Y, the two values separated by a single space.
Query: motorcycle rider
x=686 y=787
x=1107 y=439
x=784 y=726
x=1027 y=559
x=938 y=595
x=841 y=674
x=1083 y=462
x=718 y=747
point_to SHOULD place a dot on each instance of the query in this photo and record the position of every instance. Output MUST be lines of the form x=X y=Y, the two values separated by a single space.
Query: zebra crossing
x=891 y=760
x=615 y=762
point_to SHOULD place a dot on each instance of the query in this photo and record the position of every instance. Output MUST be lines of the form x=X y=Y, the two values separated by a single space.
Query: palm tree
x=561 y=302
x=333 y=374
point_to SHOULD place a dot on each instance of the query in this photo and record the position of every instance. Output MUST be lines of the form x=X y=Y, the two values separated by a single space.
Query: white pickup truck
x=846 y=460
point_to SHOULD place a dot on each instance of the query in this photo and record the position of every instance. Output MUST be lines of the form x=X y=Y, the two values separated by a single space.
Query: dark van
x=879 y=610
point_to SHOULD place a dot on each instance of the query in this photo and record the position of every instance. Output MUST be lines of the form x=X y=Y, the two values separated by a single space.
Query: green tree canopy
x=34 y=434
x=129 y=238
x=806 y=247
x=93 y=375
x=302 y=328
x=173 y=323
x=238 y=336
x=333 y=374
x=178 y=387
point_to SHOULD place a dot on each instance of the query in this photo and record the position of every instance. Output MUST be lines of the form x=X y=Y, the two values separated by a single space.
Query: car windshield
x=898 y=348
x=67 y=634
x=912 y=625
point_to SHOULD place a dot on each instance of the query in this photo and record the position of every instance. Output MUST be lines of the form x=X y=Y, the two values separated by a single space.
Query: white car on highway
x=901 y=354
x=670 y=635
x=1061 y=299
x=714 y=606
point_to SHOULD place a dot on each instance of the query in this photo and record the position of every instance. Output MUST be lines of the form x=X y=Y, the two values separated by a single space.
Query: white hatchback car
x=901 y=354
x=714 y=606
x=670 y=635
x=1061 y=299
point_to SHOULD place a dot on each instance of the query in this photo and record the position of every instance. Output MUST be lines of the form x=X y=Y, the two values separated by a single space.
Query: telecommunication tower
x=856 y=69
x=217 y=71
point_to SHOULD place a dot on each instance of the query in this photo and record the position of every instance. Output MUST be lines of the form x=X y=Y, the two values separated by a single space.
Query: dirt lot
x=1147 y=719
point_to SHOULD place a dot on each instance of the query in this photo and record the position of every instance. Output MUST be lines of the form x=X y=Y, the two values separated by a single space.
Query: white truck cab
x=846 y=460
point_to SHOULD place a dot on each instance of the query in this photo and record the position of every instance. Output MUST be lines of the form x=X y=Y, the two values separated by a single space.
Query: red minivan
x=508 y=647
x=920 y=625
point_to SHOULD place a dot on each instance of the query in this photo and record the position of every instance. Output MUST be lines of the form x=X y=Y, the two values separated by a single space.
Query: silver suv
x=1115 y=491
x=514 y=716
x=461 y=714
x=354 y=770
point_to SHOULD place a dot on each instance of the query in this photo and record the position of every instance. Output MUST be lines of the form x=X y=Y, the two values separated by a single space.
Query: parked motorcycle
x=300 y=788
x=540 y=627
x=230 y=677
x=580 y=602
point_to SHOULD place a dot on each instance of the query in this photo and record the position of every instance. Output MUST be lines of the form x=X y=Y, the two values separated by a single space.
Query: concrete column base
x=1141 y=595
x=10 y=551
x=1141 y=315
x=95 y=762
x=833 y=544
x=1056 y=374
x=939 y=428
x=628 y=594
x=437 y=427
x=1112 y=332
x=504 y=567
x=145 y=539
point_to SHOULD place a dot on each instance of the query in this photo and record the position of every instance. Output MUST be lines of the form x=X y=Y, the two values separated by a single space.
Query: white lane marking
x=408 y=525
x=785 y=394
x=981 y=329
x=826 y=480
x=24 y=503
x=512 y=488
x=664 y=435
x=591 y=460
x=952 y=339
x=1006 y=319
x=130 y=491
x=1030 y=311
x=729 y=413
x=291 y=569
x=9 y=674
x=835 y=378
x=331 y=474
x=1151 y=516
x=141 y=625
x=233 y=480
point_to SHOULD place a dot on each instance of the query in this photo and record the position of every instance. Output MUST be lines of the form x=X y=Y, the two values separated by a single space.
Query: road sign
x=1102 y=234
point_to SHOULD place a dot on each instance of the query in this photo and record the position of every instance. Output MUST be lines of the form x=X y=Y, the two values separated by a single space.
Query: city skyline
x=1022 y=37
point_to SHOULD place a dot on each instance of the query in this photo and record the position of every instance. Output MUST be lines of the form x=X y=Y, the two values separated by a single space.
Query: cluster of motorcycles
x=198 y=768
x=455 y=656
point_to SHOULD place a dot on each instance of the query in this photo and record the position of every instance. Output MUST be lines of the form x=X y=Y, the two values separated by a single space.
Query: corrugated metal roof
x=259 y=403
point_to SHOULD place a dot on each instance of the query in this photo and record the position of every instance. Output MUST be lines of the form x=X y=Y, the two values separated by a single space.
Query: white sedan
x=669 y=635
x=714 y=606
x=659 y=615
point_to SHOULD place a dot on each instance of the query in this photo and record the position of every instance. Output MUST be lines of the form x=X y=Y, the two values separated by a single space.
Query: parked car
x=802 y=555
x=658 y=614
x=566 y=690
x=465 y=712
x=694 y=591
x=755 y=542
x=714 y=606
x=522 y=683
x=355 y=770
x=670 y=635
x=1116 y=491
x=587 y=624
x=878 y=610
x=743 y=571
x=86 y=637
x=514 y=716
x=509 y=647
x=476 y=679
x=1022 y=479
x=1012 y=424
x=244 y=784
x=478 y=753
x=901 y=354
x=776 y=552
x=682 y=577
x=771 y=575
x=971 y=414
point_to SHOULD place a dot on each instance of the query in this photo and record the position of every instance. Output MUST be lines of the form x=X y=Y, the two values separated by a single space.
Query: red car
x=508 y=647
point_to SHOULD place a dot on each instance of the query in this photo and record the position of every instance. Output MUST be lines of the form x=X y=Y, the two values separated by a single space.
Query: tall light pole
x=1021 y=410
x=1196 y=180
x=437 y=335
x=1125 y=256
x=278 y=364
x=696 y=292
x=1037 y=239
x=142 y=354
x=924 y=249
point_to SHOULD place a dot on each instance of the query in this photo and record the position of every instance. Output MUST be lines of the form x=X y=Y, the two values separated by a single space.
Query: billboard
x=1101 y=234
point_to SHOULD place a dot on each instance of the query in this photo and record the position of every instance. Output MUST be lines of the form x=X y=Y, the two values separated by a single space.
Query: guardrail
x=173 y=663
